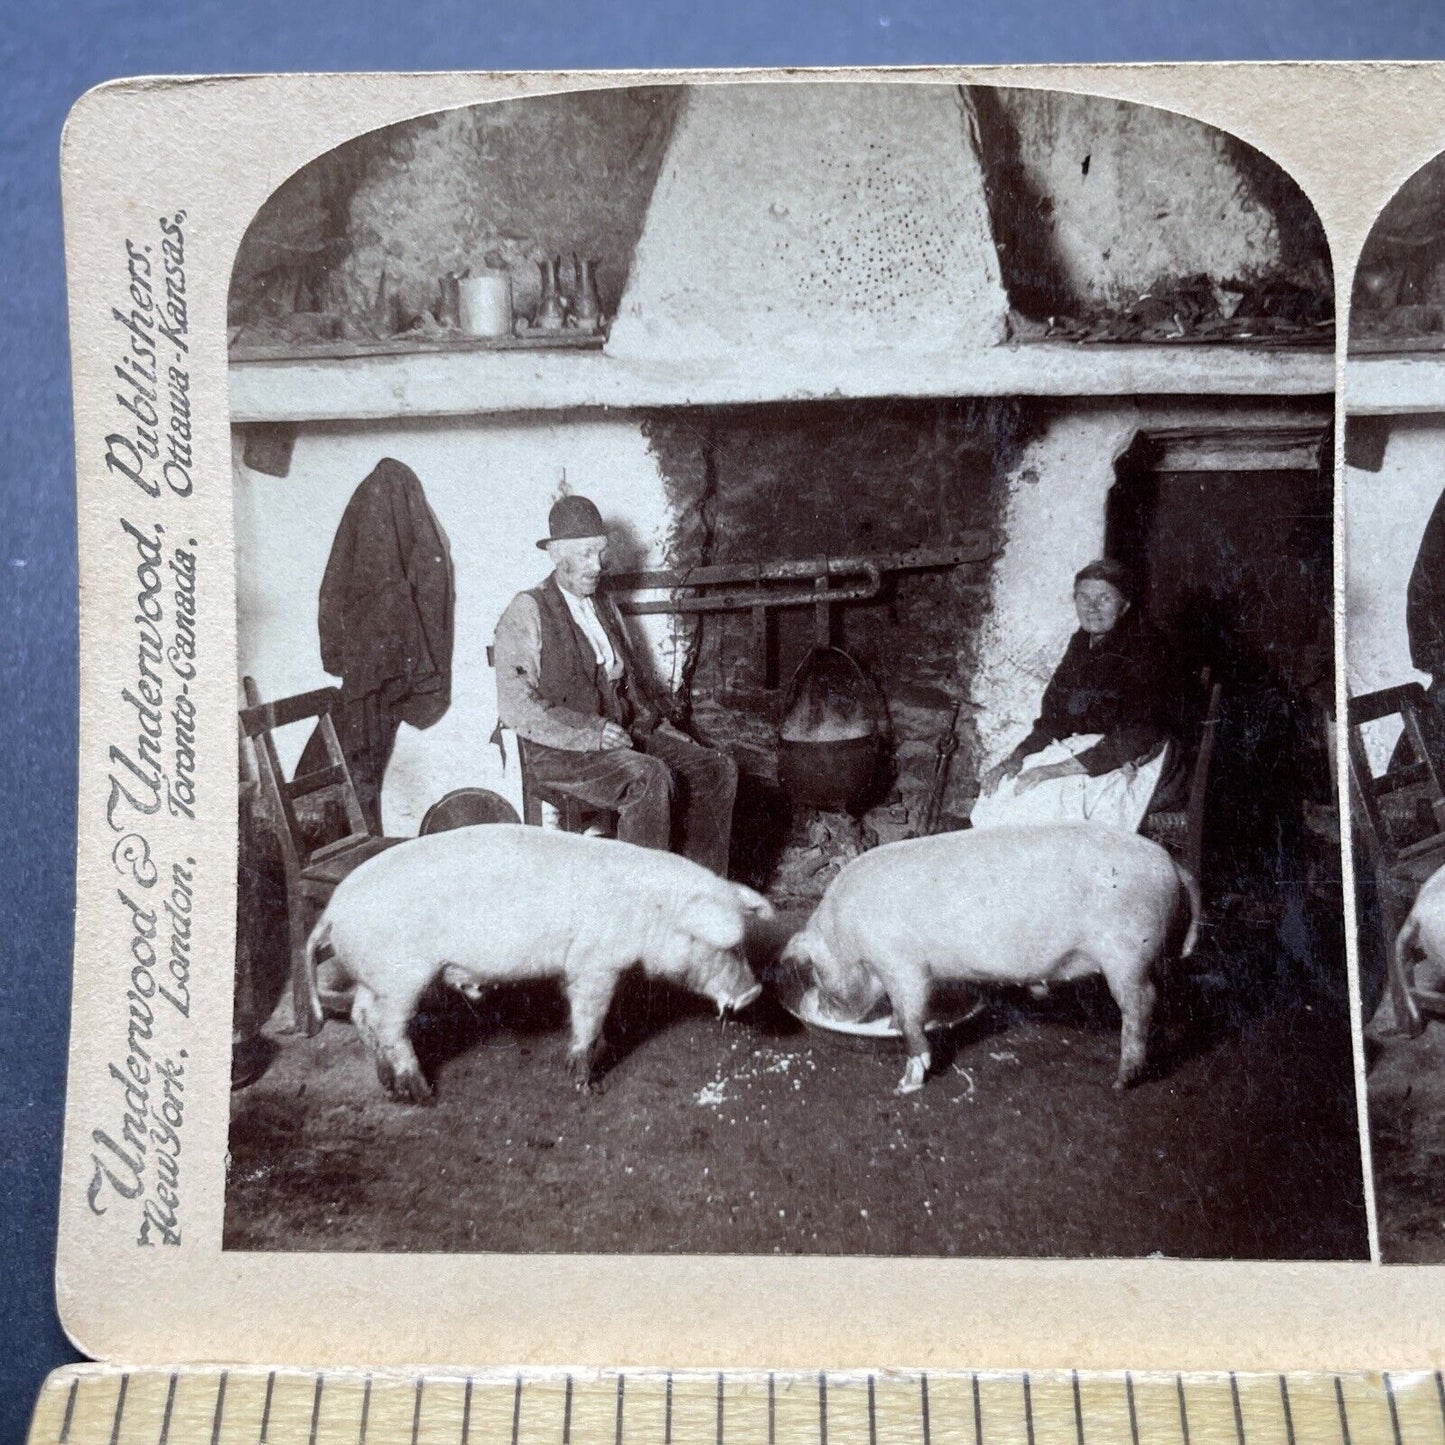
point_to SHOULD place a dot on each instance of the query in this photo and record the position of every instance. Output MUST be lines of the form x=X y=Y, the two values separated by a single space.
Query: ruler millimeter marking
x=316 y=1408
x=105 y=1405
x=120 y=1405
x=1284 y=1406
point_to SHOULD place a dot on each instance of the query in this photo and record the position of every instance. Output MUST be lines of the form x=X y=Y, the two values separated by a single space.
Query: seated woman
x=1099 y=749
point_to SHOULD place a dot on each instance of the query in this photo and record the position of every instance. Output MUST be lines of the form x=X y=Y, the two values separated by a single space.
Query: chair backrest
x=1403 y=806
x=569 y=811
x=1199 y=778
x=329 y=783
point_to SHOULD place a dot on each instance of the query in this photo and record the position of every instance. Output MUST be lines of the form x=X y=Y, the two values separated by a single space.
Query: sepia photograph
x=786 y=695
x=1395 y=642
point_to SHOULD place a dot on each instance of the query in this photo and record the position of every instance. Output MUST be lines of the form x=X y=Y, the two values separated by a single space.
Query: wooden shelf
x=477 y=381
x=433 y=345
x=1395 y=385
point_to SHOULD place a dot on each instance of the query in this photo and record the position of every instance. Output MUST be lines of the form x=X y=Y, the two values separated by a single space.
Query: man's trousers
x=676 y=788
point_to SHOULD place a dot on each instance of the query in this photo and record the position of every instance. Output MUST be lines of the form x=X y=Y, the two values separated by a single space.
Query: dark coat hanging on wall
x=1425 y=631
x=1425 y=598
x=386 y=616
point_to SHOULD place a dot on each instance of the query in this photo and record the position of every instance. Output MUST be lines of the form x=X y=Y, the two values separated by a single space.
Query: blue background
x=54 y=51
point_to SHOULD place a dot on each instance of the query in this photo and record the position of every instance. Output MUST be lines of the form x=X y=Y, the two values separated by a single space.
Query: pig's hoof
x=585 y=1078
x=411 y=1088
x=913 y=1075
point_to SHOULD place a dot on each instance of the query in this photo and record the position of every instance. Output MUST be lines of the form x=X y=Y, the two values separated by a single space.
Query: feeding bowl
x=876 y=1030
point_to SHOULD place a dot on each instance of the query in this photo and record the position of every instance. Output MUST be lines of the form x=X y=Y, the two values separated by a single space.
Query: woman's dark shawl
x=1119 y=686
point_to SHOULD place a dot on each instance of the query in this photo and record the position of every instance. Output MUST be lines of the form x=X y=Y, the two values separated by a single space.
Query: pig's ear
x=751 y=902
x=709 y=919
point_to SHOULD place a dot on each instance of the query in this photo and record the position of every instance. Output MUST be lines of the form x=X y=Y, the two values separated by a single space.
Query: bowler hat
x=573 y=517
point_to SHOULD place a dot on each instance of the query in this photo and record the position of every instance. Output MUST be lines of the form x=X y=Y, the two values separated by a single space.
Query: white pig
x=1420 y=945
x=1006 y=905
x=500 y=902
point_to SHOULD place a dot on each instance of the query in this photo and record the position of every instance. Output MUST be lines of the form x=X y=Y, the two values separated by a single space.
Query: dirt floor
x=1407 y=1131
x=757 y=1136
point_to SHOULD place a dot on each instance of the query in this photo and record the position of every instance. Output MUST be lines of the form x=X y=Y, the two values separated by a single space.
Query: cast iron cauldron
x=828 y=739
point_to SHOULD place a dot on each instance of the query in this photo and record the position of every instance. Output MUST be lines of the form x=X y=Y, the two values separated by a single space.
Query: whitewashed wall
x=1137 y=195
x=1385 y=517
x=490 y=484
x=1053 y=525
x=840 y=218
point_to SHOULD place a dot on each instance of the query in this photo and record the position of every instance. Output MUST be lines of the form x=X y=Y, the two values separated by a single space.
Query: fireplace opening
x=836 y=716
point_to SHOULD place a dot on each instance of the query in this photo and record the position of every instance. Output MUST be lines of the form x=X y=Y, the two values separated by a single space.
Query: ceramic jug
x=551 y=313
x=586 y=305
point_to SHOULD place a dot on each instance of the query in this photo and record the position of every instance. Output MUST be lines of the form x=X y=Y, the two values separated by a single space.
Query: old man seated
x=569 y=684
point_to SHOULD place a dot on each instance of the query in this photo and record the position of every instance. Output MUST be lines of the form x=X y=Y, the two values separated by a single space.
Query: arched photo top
x=358 y=244
x=1397 y=301
x=1122 y=222
x=762 y=214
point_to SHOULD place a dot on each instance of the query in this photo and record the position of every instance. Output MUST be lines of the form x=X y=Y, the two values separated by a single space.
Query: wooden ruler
x=108 y=1405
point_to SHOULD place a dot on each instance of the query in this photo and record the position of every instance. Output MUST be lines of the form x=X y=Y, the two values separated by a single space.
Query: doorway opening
x=1229 y=533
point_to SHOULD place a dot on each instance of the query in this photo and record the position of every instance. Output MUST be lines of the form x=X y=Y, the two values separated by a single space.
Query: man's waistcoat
x=570 y=675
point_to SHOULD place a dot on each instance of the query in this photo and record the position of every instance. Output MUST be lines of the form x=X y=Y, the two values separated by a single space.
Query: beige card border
x=216 y=147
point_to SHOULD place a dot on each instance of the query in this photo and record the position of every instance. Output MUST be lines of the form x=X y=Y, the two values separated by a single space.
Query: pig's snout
x=733 y=987
x=742 y=1000
x=845 y=990
x=851 y=997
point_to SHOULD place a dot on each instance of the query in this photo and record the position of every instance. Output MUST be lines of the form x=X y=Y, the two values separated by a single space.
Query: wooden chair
x=1401 y=813
x=573 y=816
x=328 y=799
x=1181 y=831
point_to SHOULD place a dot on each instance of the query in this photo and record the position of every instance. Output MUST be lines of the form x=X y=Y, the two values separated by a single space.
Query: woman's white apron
x=1119 y=799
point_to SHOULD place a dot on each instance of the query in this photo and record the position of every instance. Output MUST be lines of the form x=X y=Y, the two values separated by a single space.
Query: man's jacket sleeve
x=517 y=654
